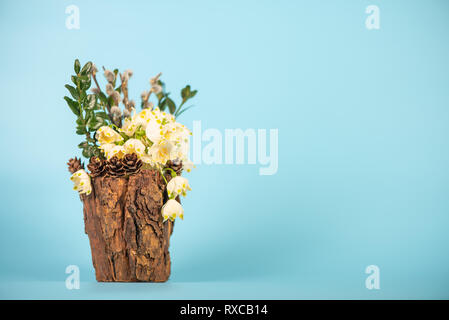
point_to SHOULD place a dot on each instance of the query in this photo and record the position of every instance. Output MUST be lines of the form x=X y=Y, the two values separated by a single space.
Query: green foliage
x=164 y=101
x=89 y=109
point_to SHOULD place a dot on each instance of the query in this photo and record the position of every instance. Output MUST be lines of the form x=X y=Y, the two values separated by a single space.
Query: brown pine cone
x=115 y=167
x=75 y=164
x=97 y=167
x=131 y=163
x=175 y=166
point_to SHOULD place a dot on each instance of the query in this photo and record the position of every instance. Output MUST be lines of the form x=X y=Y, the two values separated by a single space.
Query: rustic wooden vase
x=127 y=235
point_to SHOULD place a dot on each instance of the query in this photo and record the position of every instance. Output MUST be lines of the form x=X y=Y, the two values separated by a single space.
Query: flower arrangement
x=127 y=141
x=131 y=192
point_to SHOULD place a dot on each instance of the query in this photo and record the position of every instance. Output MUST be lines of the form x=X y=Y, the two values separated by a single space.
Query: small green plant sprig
x=90 y=111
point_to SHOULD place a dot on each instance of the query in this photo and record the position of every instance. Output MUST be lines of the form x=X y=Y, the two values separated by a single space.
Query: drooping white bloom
x=178 y=186
x=82 y=182
x=134 y=146
x=187 y=165
x=106 y=134
x=172 y=209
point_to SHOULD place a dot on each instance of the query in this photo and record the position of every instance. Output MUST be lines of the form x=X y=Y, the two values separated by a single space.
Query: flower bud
x=109 y=89
x=109 y=75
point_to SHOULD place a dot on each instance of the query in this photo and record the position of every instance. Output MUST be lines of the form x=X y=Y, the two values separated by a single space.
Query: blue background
x=363 y=145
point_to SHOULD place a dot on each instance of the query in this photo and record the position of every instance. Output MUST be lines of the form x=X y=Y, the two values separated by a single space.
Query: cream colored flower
x=106 y=148
x=154 y=130
x=171 y=210
x=161 y=152
x=160 y=125
x=118 y=151
x=142 y=118
x=134 y=146
x=128 y=127
x=106 y=134
x=82 y=182
x=178 y=186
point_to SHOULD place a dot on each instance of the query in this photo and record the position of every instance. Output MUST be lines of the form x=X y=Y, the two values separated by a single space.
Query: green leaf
x=171 y=105
x=97 y=153
x=85 y=84
x=73 y=105
x=162 y=104
x=102 y=114
x=81 y=130
x=185 y=92
x=73 y=92
x=86 y=69
x=83 y=145
x=77 y=66
x=193 y=93
x=75 y=80
x=103 y=97
x=80 y=121
x=86 y=153
x=83 y=95
x=111 y=101
x=179 y=112
x=91 y=101
x=100 y=122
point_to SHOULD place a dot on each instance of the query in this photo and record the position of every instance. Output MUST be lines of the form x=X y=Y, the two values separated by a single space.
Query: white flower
x=147 y=159
x=161 y=152
x=142 y=118
x=154 y=130
x=178 y=186
x=134 y=146
x=106 y=134
x=82 y=182
x=118 y=151
x=106 y=148
x=172 y=209
x=187 y=165
x=128 y=127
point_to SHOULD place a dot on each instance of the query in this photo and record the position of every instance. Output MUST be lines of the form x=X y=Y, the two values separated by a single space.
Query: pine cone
x=175 y=166
x=115 y=167
x=131 y=163
x=97 y=167
x=75 y=164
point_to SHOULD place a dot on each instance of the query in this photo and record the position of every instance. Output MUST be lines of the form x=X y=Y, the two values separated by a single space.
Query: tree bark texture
x=127 y=235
